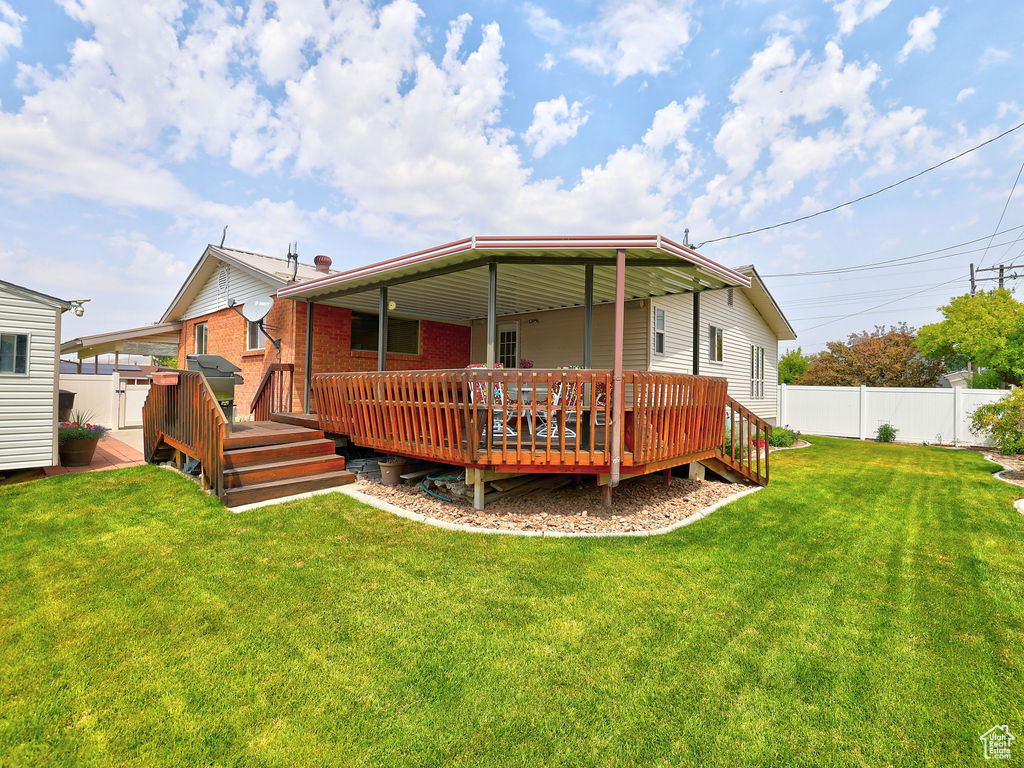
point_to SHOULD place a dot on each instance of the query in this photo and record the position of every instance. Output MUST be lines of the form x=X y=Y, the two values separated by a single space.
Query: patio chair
x=504 y=407
x=563 y=397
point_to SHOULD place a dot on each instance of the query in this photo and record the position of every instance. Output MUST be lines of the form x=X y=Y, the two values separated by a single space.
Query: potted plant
x=77 y=440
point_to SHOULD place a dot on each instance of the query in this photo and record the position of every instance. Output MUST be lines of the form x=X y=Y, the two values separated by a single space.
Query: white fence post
x=863 y=412
x=957 y=407
x=781 y=420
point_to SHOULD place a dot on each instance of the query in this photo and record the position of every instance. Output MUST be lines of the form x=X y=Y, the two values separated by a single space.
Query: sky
x=131 y=133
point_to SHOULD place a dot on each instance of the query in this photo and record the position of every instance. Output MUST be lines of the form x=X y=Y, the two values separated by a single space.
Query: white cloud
x=554 y=123
x=921 y=30
x=780 y=22
x=964 y=94
x=855 y=12
x=10 y=29
x=635 y=37
x=543 y=25
x=992 y=55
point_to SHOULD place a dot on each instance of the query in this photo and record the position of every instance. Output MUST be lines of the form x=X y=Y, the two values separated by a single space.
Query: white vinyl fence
x=920 y=415
x=109 y=400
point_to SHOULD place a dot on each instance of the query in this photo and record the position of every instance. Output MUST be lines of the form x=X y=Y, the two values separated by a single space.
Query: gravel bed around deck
x=643 y=504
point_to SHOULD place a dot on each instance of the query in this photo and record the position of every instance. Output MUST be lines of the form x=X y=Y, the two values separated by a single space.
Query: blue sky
x=130 y=133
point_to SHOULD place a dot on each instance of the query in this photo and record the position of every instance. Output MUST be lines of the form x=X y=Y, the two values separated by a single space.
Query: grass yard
x=866 y=609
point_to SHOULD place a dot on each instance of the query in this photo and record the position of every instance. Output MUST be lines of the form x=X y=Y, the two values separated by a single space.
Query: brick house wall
x=442 y=345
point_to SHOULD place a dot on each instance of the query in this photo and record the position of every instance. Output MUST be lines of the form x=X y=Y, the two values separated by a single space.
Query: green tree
x=879 y=358
x=170 y=361
x=792 y=365
x=986 y=329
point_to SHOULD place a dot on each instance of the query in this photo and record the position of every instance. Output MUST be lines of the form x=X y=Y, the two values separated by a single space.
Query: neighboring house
x=737 y=339
x=29 y=355
x=956 y=379
x=209 y=324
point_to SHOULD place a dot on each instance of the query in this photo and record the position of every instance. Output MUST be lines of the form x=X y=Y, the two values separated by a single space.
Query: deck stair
x=269 y=460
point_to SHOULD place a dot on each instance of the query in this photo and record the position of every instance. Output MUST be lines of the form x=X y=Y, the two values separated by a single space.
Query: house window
x=659 y=331
x=14 y=353
x=200 y=338
x=254 y=336
x=508 y=345
x=757 y=372
x=715 y=344
x=403 y=334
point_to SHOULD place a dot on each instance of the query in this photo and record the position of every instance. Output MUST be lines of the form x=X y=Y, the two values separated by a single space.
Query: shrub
x=886 y=433
x=782 y=437
x=1003 y=421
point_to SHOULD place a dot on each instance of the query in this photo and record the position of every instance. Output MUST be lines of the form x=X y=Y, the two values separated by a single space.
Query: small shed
x=29 y=365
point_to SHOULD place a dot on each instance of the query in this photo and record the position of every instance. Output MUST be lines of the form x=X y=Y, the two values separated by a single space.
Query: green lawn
x=866 y=609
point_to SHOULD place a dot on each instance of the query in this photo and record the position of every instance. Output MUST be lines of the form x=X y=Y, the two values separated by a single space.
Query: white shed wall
x=28 y=408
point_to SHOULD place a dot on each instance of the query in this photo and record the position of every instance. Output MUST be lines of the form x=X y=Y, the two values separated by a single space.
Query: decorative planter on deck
x=164 y=378
x=77 y=451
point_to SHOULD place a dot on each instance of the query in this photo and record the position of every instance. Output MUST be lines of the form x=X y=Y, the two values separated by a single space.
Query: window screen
x=13 y=353
x=403 y=334
x=715 y=344
x=659 y=331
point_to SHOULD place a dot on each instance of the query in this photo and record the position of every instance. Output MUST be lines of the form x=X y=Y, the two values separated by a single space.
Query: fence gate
x=130 y=398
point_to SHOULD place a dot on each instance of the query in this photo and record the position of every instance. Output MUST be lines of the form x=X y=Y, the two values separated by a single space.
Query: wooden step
x=279 y=470
x=308 y=420
x=256 y=434
x=276 y=489
x=264 y=454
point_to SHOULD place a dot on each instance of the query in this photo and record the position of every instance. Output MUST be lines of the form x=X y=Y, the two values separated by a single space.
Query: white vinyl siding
x=742 y=327
x=27 y=406
x=227 y=282
x=555 y=337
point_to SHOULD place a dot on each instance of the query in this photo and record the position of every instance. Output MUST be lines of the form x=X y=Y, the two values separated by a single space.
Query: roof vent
x=323 y=263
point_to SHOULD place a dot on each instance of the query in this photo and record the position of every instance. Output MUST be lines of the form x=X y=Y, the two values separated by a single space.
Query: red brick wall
x=442 y=345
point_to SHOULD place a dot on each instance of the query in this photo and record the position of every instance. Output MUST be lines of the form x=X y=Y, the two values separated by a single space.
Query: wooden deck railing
x=544 y=419
x=186 y=416
x=744 y=447
x=274 y=394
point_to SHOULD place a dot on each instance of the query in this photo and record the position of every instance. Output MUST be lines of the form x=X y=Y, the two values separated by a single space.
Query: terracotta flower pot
x=77 y=451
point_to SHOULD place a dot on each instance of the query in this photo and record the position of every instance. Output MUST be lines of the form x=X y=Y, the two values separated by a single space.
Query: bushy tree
x=792 y=365
x=879 y=358
x=987 y=329
x=170 y=361
x=1003 y=421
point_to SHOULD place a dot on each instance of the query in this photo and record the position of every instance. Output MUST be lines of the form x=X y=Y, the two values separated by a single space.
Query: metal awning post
x=492 y=313
x=307 y=387
x=382 y=331
x=588 y=316
x=617 y=394
x=696 y=333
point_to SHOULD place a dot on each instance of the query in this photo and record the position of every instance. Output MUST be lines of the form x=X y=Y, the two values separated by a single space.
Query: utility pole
x=1000 y=277
x=972 y=279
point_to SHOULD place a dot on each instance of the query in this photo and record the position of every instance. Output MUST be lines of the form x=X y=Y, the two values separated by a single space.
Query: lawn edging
x=994 y=458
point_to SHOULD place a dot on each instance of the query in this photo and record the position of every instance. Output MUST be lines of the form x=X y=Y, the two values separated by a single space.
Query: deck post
x=478 y=488
x=307 y=383
x=606 y=495
x=382 y=331
x=617 y=394
x=492 y=313
x=696 y=333
x=588 y=315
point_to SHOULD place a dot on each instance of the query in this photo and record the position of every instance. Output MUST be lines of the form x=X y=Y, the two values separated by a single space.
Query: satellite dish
x=255 y=310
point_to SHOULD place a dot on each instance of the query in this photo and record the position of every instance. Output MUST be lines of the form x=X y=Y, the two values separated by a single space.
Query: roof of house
x=450 y=281
x=43 y=297
x=160 y=339
x=275 y=271
x=766 y=305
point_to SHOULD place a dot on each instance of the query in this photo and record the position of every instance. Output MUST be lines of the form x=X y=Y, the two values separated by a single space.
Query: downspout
x=617 y=394
x=308 y=375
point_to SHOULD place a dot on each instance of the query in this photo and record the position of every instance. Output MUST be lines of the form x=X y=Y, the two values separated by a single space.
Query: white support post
x=780 y=412
x=863 y=412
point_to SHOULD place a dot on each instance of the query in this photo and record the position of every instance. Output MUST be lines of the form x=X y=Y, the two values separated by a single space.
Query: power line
x=862 y=197
x=1005 y=206
x=901 y=261
x=879 y=306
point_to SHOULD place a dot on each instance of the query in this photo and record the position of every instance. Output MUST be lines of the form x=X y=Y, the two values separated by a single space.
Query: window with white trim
x=14 y=353
x=716 y=344
x=403 y=334
x=508 y=345
x=659 y=331
x=757 y=372
x=200 y=334
x=254 y=336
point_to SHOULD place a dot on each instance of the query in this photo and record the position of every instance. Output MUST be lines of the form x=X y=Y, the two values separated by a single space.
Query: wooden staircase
x=269 y=460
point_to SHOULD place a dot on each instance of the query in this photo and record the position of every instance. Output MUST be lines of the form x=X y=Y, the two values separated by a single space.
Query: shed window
x=757 y=372
x=200 y=338
x=403 y=334
x=659 y=331
x=715 y=344
x=14 y=353
x=254 y=336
